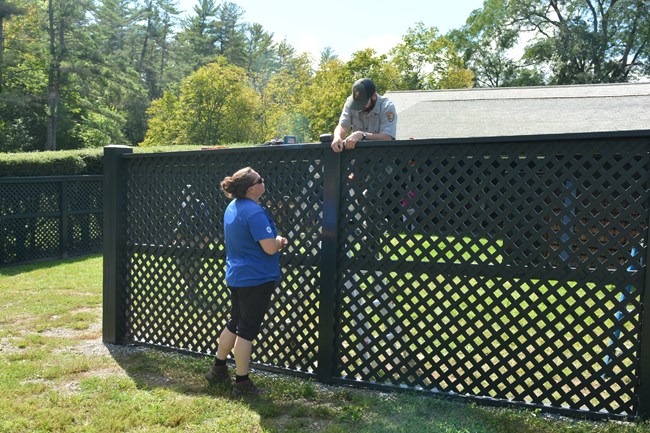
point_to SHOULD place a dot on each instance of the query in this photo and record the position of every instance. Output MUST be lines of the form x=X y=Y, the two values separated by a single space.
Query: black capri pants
x=248 y=305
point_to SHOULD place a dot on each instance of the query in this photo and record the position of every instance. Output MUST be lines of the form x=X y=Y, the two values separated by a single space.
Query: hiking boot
x=218 y=374
x=245 y=388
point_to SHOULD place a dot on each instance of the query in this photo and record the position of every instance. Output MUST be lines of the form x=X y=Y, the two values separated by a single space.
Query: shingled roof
x=508 y=111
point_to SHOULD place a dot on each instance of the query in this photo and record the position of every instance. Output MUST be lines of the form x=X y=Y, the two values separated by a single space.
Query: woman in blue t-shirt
x=252 y=272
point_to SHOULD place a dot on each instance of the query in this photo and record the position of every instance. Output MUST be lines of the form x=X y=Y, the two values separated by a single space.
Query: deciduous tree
x=216 y=104
x=570 y=41
x=429 y=61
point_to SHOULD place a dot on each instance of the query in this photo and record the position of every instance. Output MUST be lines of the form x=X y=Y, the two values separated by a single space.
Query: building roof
x=509 y=111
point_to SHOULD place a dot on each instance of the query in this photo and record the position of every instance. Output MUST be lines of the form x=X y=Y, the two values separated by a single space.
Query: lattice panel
x=85 y=225
x=85 y=232
x=29 y=197
x=176 y=293
x=26 y=233
x=29 y=239
x=173 y=300
x=32 y=214
x=485 y=271
x=85 y=195
x=512 y=272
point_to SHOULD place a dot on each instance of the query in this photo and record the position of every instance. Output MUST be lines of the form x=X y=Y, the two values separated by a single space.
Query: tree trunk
x=53 y=84
x=2 y=50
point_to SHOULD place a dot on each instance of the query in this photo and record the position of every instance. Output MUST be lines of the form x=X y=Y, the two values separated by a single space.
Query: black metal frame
x=509 y=271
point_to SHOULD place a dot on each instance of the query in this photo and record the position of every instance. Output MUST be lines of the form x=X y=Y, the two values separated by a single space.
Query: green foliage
x=165 y=125
x=106 y=62
x=281 y=99
x=323 y=102
x=216 y=104
x=92 y=84
x=569 y=42
x=66 y=162
x=59 y=163
x=429 y=61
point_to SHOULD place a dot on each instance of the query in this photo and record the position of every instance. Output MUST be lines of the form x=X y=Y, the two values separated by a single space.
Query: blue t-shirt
x=245 y=224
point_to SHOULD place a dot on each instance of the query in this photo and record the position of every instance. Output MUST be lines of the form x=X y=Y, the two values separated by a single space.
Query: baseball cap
x=362 y=90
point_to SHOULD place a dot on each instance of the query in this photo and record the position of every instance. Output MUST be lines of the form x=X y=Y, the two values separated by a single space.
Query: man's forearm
x=339 y=133
x=378 y=136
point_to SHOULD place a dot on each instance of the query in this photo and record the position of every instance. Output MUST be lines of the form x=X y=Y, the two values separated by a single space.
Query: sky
x=348 y=26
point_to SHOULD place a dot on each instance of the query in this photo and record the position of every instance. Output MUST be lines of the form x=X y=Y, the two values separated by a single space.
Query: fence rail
x=508 y=271
x=49 y=217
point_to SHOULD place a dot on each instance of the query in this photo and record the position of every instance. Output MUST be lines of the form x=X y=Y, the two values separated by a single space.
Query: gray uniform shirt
x=381 y=119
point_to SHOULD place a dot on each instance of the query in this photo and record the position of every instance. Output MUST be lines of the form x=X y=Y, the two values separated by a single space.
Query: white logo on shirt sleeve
x=268 y=230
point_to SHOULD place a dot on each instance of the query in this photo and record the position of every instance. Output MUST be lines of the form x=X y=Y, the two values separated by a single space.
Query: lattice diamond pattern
x=29 y=197
x=85 y=195
x=506 y=271
x=32 y=212
x=85 y=233
x=176 y=288
x=480 y=271
x=29 y=239
x=85 y=225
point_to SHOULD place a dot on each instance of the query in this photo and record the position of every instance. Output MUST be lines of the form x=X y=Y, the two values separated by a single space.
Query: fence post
x=644 y=352
x=329 y=270
x=64 y=222
x=114 y=197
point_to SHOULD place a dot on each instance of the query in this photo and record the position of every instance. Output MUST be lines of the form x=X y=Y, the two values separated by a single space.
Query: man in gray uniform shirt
x=371 y=117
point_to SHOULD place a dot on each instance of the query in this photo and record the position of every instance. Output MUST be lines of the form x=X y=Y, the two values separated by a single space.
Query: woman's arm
x=273 y=245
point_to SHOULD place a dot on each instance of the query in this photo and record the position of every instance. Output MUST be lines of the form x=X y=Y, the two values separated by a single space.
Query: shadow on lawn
x=288 y=400
x=294 y=404
x=156 y=368
x=21 y=268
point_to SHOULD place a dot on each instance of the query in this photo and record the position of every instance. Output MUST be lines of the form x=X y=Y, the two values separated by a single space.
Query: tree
x=22 y=118
x=77 y=114
x=215 y=104
x=572 y=41
x=486 y=49
x=165 y=121
x=65 y=21
x=429 y=61
x=282 y=98
x=114 y=27
x=7 y=10
x=157 y=17
x=115 y=91
x=54 y=75
x=229 y=30
x=195 y=44
x=260 y=54
x=89 y=80
x=323 y=100
x=326 y=55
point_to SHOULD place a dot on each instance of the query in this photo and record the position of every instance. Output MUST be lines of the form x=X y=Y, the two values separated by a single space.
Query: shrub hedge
x=66 y=162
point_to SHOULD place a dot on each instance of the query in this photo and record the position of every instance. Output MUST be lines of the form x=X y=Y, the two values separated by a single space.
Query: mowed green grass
x=57 y=376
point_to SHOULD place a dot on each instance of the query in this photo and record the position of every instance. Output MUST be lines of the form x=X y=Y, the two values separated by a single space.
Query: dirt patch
x=7 y=348
x=73 y=385
x=94 y=347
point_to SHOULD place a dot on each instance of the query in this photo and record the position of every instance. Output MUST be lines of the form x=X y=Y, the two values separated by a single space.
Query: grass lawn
x=56 y=375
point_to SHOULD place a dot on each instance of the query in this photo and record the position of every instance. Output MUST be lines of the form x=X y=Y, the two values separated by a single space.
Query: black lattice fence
x=174 y=293
x=506 y=271
x=49 y=217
